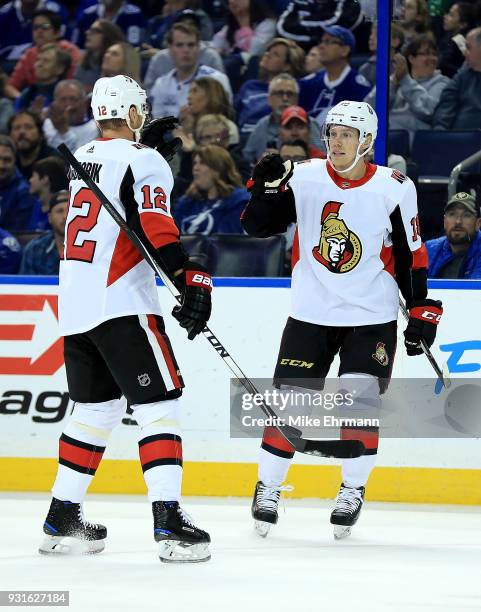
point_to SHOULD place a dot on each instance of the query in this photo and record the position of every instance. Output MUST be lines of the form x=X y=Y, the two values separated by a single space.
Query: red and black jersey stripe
x=79 y=456
x=274 y=442
x=160 y=449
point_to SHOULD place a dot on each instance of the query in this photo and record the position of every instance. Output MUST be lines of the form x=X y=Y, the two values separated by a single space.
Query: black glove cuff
x=172 y=257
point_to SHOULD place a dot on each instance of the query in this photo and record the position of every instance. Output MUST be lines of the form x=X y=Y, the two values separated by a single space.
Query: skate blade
x=62 y=545
x=173 y=551
x=262 y=528
x=341 y=532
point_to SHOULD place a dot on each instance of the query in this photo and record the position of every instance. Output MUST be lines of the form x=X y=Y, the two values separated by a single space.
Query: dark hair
x=54 y=18
x=466 y=15
x=36 y=118
x=111 y=34
x=398 y=32
x=185 y=28
x=217 y=159
x=413 y=47
x=63 y=59
x=257 y=13
x=217 y=100
x=55 y=169
x=6 y=141
x=296 y=143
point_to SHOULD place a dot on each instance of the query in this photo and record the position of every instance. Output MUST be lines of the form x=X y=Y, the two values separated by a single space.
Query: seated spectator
x=415 y=18
x=101 y=35
x=320 y=92
x=49 y=176
x=215 y=200
x=25 y=129
x=42 y=255
x=16 y=28
x=415 y=96
x=6 y=105
x=306 y=20
x=10 y=253
x=51 y=66
x=368 y=69
x=169 y=93
x=46 y=28
x=161 y=62
x=206 y=96
x=248 y=29
x=17 y=204
x=280 y=56
x=460 y=105
x=175 y=11
x=296 y=125
x=294 y=150
x=283 y=92
x=121 y=58
x=313 y=63
x=458 y=253
x=67 y=119
x=128 y=17
x=458 y=21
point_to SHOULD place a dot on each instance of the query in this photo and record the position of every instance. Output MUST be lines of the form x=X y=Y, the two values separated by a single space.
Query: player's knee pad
x=164 y=415
x=99 y=418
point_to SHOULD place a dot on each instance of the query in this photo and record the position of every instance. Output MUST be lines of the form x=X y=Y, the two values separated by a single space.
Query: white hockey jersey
x=343 y=264
x=102 y=275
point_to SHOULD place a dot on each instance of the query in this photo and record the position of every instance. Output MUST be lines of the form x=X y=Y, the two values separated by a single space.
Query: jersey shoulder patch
x=398 y=176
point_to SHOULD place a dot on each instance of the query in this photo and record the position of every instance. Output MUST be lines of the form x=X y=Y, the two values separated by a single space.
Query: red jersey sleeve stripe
x=159 y=229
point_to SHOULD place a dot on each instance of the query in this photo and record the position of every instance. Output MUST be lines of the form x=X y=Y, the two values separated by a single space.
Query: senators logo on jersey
x=339 y=248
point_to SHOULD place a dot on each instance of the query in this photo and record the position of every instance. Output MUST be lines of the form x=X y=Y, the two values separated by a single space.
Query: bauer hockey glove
x=158 y=135
x=424 y=316
x=270 y=175
x=195 y=285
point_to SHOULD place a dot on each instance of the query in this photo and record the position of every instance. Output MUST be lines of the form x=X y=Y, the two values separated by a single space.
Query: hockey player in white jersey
x=116 y=348
x=357 y=245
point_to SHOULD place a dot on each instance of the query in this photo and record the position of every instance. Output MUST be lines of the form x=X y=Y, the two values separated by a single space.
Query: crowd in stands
x=244 y=77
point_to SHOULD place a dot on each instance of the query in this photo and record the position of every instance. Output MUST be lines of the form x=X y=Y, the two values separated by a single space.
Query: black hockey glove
x=195 y=285
x=158 y=135
x=270 y=175
x=424 y=316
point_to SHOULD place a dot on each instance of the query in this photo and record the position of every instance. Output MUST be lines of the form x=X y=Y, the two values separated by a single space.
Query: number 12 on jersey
x=83 y=250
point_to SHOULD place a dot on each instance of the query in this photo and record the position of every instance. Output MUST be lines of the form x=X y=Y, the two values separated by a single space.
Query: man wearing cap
x=458 y=253
x=42 y=255
x=322 y=90
x=295 y=125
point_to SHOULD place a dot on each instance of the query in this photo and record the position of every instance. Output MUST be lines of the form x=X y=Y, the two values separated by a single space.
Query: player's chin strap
x=137 y=130
x=356 y=159
x=321 y=448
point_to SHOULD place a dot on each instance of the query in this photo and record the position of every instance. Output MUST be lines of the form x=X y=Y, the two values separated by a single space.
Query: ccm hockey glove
x=270 y=175
x=158 y=135
x=424 y=316
x=195 y=285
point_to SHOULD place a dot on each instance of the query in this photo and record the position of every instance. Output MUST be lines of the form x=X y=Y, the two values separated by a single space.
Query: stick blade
x=339 y=449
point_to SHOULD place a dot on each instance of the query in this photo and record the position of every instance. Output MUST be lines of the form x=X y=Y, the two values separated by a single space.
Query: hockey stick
x=320 y=448
x=442 y=374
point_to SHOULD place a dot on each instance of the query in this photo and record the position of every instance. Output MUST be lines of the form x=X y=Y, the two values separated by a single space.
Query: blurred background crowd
x=245 y=77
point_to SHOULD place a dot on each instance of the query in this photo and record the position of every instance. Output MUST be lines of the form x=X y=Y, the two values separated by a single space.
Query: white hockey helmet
x=358 y=115
x=112 y=98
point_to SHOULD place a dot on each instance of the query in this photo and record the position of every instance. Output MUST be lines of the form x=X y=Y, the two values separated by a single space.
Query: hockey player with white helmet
x=356 y=246
x=115 y=344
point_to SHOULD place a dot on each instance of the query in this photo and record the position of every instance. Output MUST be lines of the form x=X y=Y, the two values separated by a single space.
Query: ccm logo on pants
x=297 y=363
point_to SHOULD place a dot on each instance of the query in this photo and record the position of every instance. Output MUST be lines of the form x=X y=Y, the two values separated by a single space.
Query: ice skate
x=349 y=502
x=264 y=507
x=67 y=531
x=180 y=541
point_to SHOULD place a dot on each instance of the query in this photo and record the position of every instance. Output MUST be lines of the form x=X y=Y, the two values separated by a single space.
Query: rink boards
x=248 y=317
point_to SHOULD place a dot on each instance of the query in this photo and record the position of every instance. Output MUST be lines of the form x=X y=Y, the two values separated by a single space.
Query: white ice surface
x=401 y=558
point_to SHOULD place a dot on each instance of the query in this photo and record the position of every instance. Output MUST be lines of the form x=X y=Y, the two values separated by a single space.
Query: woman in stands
x=121 y=58
x=215 y=199
x=101 y=35
x=457 y=22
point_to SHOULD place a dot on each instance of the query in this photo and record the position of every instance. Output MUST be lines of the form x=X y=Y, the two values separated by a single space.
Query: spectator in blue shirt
x=215 y=200
x=10 y=253
x=16 y=27
x=458 y=253
x=128 y=17
x=16 y=203
x=42 y=255
x=48 y=177
x=323 y=90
